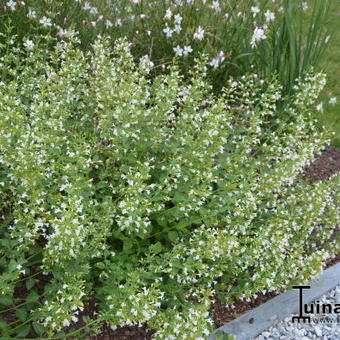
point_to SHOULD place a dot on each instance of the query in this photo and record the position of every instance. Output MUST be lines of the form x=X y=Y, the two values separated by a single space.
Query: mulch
x=327 y=164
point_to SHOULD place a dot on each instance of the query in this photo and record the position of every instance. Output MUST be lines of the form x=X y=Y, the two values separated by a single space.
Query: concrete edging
x=260 y=318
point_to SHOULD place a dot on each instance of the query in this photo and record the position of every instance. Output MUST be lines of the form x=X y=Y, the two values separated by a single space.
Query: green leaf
x=32 y=297
x=30 y=283
x=162 y=221
x=38 y=328
x=61 y=335
x=220 y=335
x=173 y=236
x=128 y=245
x=6 y=300
x=182 y=224
x=179 y=197
x=23 y=331
x=3 y=326
x=21 y=314
x=156 y=248
x=196 y=220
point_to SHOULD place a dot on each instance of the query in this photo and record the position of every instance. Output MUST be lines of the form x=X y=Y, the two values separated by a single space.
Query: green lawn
x=331 y=115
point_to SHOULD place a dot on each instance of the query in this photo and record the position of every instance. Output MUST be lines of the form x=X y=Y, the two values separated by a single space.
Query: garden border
x=261 y=318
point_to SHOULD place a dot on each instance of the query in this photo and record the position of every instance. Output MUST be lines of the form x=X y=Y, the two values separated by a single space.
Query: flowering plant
x=266 y=37
x=150 y=193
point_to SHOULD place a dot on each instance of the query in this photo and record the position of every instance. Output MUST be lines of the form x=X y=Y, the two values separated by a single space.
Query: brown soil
x=124 y=333
x=327 y=164
x=222 y=314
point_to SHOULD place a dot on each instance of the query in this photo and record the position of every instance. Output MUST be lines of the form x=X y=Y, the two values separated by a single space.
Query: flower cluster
x=235 y=34
x=151 y=193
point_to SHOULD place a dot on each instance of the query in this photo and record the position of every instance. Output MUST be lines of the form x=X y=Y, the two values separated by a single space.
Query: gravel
x=322 y=327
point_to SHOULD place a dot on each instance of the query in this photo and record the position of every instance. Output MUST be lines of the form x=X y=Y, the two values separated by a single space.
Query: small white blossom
x=108 y=23
x=46 y=22
x=94 y=10
x=215 y=62
x=177 y=28
x=216 y=6
x=179 y=51
x=146 y=61
x=199 y=33
x=168 y=31
x=87 y=6
x=255 y=10
x=258 y=35
x=178 y=19
x=11 y=4
x=31 y=14
x=168 y=14
x=270 y=16
x=333 y=100
x=66 y=323
x=187 y=50
x=29 y=44
x=319 y=107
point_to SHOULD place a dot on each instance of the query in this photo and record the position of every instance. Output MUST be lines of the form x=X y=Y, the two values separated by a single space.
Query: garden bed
x=327 y=164
x=134 y=189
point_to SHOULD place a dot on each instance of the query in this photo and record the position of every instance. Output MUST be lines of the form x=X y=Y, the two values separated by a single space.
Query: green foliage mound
x=149 y=193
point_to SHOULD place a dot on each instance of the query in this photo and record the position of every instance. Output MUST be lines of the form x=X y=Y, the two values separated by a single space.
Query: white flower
x=270 y=16
x=108 y=23
x=66 y=323
x=31 y=14
x=29 y=44
x=255 y=10
x=216 y=6
x=177 y=28
x=304 y=6
x=74 y=318
x=11 y=4
x=178 y=19
x=118 y=23
x=168 y=31
x=144 y=16
x=187 y=50
x=94 y=10
x=178 y=50
x=215 y=62
x=319 y=107
x=168 y=14
x=146 y=61
x=87 y=6
x=221 y=55
x=46 y=22
x=333 y=100
x=258 y=35
x=199 y=33
x=135 y=1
